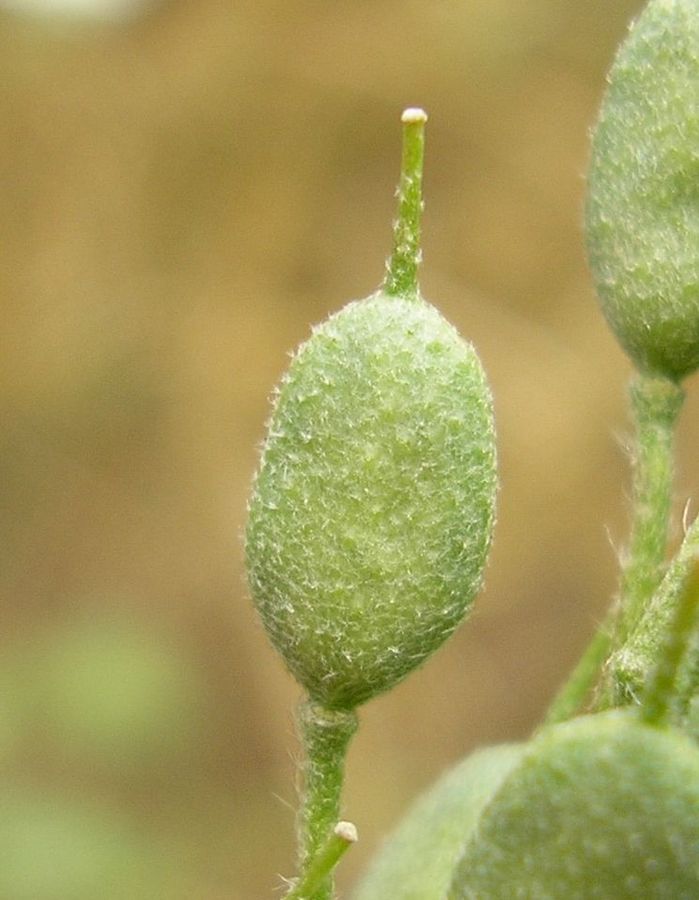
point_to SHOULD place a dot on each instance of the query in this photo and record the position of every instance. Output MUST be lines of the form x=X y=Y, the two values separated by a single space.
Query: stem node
x=325 y=735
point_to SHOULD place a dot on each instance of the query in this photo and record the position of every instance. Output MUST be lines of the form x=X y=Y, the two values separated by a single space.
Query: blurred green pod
x=418 y=859
x=602 y=806
x=373 y=506
x=642 y=213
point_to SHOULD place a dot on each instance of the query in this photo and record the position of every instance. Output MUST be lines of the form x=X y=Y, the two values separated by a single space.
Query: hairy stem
x=630 y=666
x=325 y=735
x=659 y=691
x=340 y=839
x=402 y=266
x=655 y=404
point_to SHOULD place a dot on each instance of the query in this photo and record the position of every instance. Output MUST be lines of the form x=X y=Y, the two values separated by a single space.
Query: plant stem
x=340 y=839
x=630 y=666
x=656 y=702
x=656 y=403
x=571 y=696
x=402 y=266
x=325 y=735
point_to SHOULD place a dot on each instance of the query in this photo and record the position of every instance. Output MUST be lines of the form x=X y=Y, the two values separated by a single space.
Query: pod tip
x=413 y=115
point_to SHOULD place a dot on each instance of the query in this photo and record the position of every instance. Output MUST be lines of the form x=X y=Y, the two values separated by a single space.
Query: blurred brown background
x=184 y=191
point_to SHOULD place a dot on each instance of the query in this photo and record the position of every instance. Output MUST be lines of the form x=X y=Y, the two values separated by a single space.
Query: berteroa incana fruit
x=417 y=860
x=603 y=806
x=643 y=192
x=373 y=506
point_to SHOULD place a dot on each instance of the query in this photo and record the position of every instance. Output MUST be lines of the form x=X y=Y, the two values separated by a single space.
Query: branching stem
x=659 y=692
x=325 y=735
x=656 y=403
x=340 y=839
x=631 y=665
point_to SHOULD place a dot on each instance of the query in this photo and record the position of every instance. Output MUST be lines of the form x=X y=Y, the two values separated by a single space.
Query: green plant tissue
x=418 y=859
x=643 y=191
x=373 y=507
x=600 y=807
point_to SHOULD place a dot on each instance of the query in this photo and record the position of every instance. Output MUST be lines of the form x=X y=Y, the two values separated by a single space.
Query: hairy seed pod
x=643 y=192
x=373 y=506
x=418 y=859
x=601 y=806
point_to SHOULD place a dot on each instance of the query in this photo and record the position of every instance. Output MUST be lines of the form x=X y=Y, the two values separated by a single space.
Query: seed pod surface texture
x=600 y=807
x=643 y=191
x=373 y=506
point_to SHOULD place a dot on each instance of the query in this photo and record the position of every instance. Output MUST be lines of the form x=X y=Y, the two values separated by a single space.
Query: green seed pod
x=601 y=806
x=643 y=192
x=373 y=505
x=418 y=859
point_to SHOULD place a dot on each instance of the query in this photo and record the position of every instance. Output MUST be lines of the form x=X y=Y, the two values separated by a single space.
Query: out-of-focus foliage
x=182 y=195
x=56 y=847
x=103 y=689
x=90 y=712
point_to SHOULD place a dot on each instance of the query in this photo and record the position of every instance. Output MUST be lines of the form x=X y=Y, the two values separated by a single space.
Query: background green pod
x=373 y=506
x=643 y=191
x=601 y=806
x=418 y=859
